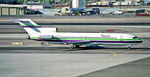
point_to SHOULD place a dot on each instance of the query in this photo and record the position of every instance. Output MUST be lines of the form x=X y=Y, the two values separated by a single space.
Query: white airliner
x=50 y=35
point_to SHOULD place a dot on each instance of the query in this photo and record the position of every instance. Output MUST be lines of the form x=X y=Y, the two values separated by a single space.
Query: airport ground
x=31 y=59
x=77 y=19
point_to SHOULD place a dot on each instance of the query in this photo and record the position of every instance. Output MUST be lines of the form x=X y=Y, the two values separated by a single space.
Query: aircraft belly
x=117 y=44
x=93 y=42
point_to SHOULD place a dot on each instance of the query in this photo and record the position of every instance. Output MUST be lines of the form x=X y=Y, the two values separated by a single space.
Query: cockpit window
x=135 y=37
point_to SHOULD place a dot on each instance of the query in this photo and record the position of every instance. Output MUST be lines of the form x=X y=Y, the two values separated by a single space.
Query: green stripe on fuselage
x=100 y=39
x=96 y=39
x=34 y=37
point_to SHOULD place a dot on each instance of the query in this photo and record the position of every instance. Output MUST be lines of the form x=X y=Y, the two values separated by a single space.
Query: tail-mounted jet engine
x=46 y=37
x=43 y=37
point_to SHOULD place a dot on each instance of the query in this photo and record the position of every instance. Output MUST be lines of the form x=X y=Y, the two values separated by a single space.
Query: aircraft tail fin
x=30 y=26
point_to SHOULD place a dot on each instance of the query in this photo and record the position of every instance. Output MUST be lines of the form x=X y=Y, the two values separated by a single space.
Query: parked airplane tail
x=31 y=27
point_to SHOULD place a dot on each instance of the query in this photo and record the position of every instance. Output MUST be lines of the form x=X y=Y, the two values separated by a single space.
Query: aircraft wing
x=79 y=42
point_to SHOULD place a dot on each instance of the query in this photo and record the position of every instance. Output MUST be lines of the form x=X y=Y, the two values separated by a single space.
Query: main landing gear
x=129 y=47
x=74 y=46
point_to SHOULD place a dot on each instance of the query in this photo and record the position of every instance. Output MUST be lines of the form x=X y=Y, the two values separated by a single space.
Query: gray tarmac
x=139 y=68
x=59 y=65
x=17 y=29
x=35 y=60
x=79 y=19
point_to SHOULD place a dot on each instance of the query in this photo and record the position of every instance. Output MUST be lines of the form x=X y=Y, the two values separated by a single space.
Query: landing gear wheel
x=129 y=47
x=74 y=46
x=77 y=46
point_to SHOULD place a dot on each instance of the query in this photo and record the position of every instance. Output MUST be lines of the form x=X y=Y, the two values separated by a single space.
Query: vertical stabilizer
x=30 y=26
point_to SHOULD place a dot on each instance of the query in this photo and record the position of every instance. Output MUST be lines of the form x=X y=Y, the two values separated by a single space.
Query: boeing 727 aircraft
x=38 y=33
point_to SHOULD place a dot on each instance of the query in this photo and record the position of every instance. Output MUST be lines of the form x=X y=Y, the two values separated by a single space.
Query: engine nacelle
x=46 y=37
